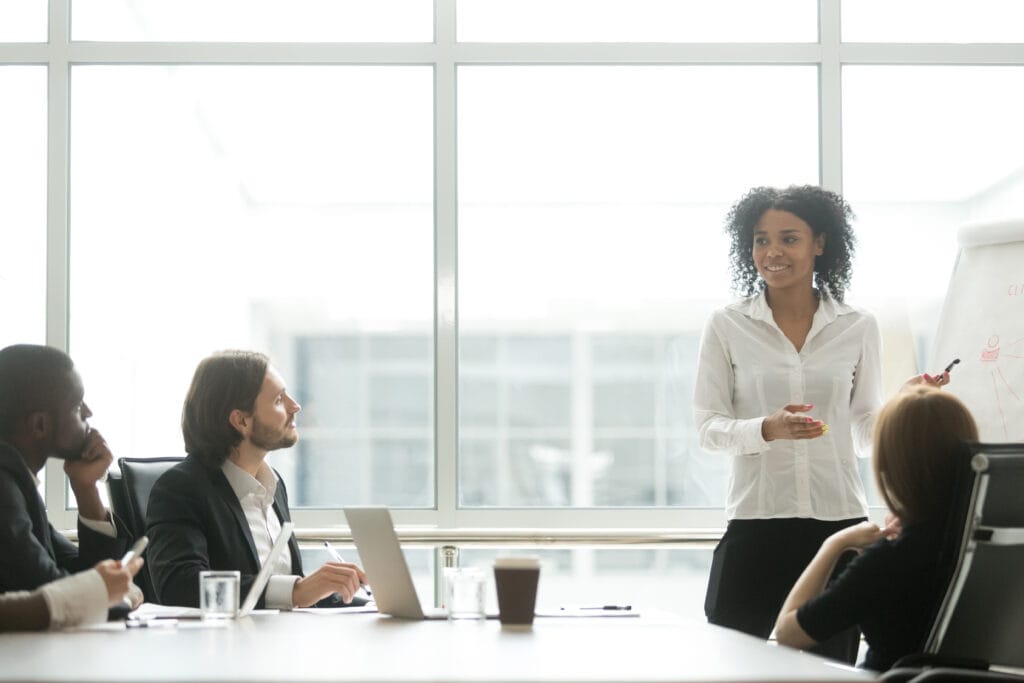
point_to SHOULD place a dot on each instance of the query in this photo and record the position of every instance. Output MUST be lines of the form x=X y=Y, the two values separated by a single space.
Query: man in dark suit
x=43 y=415
x=222 y=507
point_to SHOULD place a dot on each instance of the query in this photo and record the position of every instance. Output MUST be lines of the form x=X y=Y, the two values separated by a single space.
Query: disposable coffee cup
x=515 y=579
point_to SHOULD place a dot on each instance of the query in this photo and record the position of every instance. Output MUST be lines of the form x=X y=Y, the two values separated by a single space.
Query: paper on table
x=149 y=610
x=325 y=611
x=100 y=626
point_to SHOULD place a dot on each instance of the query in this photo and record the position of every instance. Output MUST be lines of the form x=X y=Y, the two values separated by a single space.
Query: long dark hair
x=223 y=382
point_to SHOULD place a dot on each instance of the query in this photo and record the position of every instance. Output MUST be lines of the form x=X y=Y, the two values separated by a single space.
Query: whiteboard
x=982 y=324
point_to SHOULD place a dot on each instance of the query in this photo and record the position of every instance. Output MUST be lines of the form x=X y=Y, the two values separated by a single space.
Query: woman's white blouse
x=748 y=369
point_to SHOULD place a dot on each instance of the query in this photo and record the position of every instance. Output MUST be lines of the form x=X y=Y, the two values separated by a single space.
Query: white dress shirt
x=748 y=369
x=256 y=495
x=77 y=599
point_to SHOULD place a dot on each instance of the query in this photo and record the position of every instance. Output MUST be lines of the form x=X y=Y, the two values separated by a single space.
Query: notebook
x=385 y=565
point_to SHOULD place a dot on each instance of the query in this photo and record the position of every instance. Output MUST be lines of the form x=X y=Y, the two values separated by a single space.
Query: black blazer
x=195 y=522
x=32 y=552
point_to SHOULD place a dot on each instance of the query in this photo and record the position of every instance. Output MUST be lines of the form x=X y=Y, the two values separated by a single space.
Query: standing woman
x=788 y=382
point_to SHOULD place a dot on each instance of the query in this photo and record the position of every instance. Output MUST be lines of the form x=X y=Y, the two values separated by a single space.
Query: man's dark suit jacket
x=195 y=522
x=32 y=552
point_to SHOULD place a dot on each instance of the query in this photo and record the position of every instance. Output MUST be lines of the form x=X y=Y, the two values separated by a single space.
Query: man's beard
x=73 y=452
x=270 y=439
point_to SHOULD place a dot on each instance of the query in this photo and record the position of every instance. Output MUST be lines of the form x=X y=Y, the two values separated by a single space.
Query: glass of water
x=218 y=594
x=464 y=592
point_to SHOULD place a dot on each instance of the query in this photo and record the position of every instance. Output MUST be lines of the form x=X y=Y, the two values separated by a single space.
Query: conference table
x=306 y=647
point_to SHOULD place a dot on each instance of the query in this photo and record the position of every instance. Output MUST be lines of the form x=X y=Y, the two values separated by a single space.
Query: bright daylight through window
x=479 y=238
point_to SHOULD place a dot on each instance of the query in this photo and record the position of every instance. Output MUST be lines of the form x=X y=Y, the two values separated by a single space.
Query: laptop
x=266 y=570
x=385 y=565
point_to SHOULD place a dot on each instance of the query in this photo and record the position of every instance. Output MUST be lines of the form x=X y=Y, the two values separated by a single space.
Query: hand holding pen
x=336 y=556
x=943 y=378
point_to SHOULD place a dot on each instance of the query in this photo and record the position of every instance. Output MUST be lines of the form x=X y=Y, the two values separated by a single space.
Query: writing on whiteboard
x=982 y=323
x=1007 y=399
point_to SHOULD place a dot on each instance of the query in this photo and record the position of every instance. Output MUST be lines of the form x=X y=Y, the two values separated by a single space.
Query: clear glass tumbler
x=218 y=594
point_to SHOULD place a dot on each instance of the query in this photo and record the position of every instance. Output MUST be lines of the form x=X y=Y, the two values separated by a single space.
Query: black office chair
x=980 y=621
x=138 y=476
x=118 y=497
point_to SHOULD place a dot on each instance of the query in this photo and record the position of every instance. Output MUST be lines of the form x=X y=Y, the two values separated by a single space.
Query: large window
x=334 y=21
x=954 y=154
x=479 y=237
x=933 y=21
x=626 y=21
x=284 y=208
x=590 y=249
x=23 y=21
x=22 y=204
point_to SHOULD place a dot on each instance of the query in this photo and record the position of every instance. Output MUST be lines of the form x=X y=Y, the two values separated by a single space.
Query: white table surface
x=368 y=647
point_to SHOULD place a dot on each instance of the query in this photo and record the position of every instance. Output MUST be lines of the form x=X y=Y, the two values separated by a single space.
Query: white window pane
x=23 y=204
x=361 y=21
x=925 y=150
x=260 y=207
x=933 y=21
x=689 y=21
x=23 y=21
x=591 y=250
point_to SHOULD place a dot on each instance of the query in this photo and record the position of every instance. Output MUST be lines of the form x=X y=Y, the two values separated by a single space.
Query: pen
x=150 y=623
x=338 y=558
x=136 y=549
x=609 y=607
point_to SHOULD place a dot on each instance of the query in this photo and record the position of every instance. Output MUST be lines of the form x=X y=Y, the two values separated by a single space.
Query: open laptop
x=385 y=565
x=266 y=569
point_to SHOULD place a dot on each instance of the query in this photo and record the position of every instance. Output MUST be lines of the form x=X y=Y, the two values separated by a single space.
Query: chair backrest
x=137 y=478
x=139 y=475
x=982 y=613
x=119 y=499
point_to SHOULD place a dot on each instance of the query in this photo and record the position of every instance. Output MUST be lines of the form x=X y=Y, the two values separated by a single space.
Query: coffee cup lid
x=518 y=562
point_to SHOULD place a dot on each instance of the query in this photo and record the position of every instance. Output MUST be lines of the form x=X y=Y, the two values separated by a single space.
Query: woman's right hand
x=785 y=423
x=118 y=579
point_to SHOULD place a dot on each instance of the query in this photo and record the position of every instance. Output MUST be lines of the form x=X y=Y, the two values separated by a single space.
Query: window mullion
x=445 y=267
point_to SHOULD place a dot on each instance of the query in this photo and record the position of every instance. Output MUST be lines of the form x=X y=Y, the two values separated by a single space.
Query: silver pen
x=338 y=558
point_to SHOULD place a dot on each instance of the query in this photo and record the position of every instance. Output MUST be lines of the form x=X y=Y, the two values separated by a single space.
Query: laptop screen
x=266 y=570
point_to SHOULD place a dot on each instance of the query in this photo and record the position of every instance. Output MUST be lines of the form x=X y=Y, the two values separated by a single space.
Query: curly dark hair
x=824 y=211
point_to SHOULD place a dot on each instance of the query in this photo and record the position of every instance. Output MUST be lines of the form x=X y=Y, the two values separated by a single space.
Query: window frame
x=445 y=55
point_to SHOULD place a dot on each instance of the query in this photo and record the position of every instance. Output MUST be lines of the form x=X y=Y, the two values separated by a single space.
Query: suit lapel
x=223 y=488
x=12 y=461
